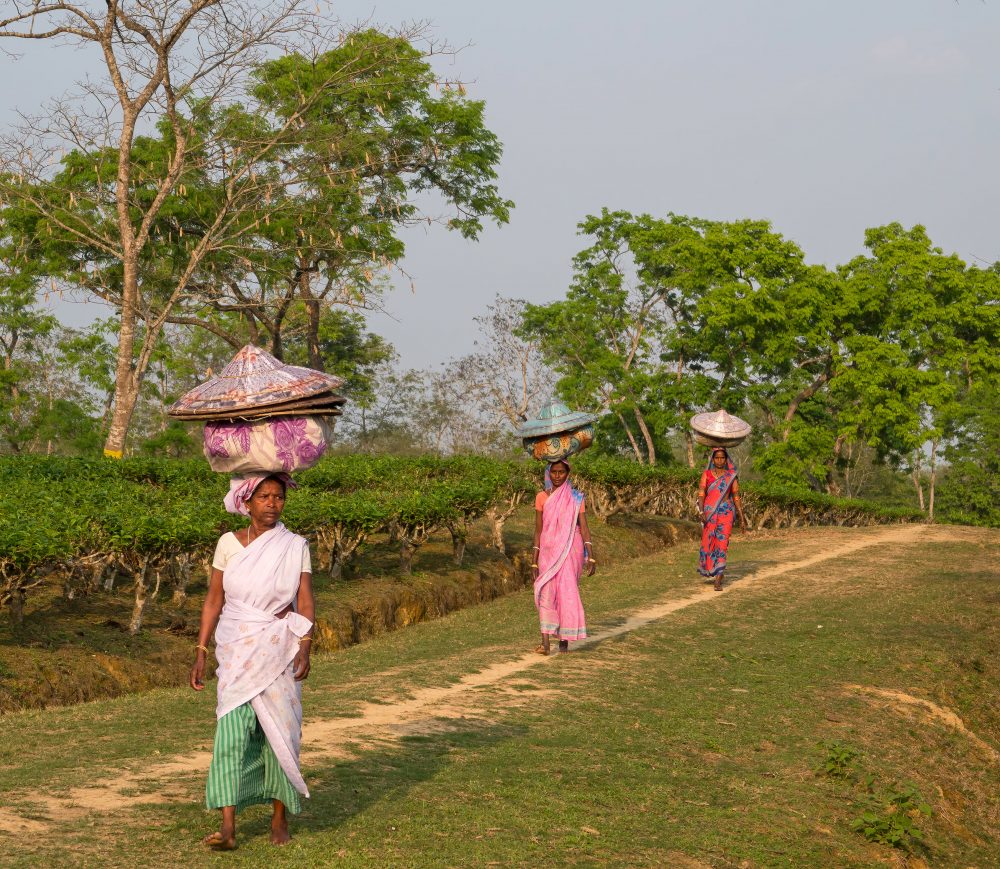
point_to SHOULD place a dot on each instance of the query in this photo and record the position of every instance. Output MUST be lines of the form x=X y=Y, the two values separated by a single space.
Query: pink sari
x=560 y=563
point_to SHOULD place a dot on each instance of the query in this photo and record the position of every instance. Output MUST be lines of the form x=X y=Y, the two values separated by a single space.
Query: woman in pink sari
x=718 y=502
x=562 y=547
x=260 y=596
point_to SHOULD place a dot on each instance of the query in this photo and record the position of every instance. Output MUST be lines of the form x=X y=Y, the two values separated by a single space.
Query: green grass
x=697 y=740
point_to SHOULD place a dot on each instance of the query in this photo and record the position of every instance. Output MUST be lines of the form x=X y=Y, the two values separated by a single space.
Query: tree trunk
x=126 y=380
x=832 y=486
x=631 y=438
x=406 y=553
x=804 y=395
x=112 y=571
x=650 y=449
x=497 y=521
x=182 y=570
x=689 y=442
x=16 y=604
x=915 y=476
x=458 y=541
x=933 y=480
x=142 y=597
x=277 y=349
x=312 y=335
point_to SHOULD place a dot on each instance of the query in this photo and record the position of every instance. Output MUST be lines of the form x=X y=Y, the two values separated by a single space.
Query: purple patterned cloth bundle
x=263 y=416
x=287 y=443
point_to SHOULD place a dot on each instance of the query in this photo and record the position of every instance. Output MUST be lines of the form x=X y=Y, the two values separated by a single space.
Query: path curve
x=114 y=793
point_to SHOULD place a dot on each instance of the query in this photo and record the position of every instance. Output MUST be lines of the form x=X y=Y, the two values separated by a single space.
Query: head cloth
x=241 y=490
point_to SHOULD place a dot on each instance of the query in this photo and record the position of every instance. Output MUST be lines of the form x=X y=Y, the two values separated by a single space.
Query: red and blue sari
x=717 y=517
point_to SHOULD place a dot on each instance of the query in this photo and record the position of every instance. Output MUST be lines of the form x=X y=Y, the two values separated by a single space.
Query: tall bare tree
x=157 y=56
x=169 y=182
x=506 y=376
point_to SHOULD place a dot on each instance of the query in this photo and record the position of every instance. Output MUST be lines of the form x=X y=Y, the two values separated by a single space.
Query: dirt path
x=422 y=712
x=903 y=702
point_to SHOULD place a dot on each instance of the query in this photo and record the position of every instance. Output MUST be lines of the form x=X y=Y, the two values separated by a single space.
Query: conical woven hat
x=721 y=425
x=325 y=404
x=254 y=379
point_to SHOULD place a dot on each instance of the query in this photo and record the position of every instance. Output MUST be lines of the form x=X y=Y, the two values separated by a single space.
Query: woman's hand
x=591 y=566
x=301 y=665
x=198 y=672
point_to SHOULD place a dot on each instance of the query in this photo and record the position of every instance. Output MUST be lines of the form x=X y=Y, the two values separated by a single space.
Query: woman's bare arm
x=536 y=546
x=305 y=605
x=588 y=545
x=214 y=601
x=739 y=505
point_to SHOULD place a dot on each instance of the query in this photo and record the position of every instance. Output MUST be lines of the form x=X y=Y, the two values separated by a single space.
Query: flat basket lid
x=719 y=424
x=555 y=418
x=253 y=379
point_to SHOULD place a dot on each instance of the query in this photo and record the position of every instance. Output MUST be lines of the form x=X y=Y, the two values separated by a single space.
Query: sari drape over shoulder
x=717 y=520
x=560 y=563
x=255 y=648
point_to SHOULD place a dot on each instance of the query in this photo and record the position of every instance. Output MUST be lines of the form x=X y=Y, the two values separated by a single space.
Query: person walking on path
x=562 y=547
x=718 y=504
x=260 y=596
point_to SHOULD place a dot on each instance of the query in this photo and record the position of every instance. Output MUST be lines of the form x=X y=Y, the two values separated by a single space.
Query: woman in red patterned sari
x=719 y=503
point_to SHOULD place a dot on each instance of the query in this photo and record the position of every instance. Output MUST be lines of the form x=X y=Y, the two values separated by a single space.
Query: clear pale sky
x=824 y=118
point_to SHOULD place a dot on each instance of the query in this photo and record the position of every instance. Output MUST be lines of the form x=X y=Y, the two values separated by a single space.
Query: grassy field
x=846 y=675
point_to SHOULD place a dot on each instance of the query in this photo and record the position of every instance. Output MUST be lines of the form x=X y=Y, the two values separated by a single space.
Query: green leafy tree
x=693 y=314
x=95 y=221
x=970 y=488
x=24 y=330
x=223 y=191
x=927 y=324
x=753 y=328
x=371 y=149
x=605 y=338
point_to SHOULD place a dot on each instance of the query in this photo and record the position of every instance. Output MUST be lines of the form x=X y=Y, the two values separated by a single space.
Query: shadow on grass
x=347 y=788
x=742 y=569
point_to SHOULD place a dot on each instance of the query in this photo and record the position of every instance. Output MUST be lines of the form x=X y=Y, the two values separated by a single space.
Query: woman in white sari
x=260 y=595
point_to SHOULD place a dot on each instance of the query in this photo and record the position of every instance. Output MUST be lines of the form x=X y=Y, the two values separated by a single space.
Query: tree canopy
x=665 y=317
x=233 y=192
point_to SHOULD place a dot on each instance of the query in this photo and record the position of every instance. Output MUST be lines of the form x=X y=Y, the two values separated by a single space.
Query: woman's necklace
x=249 y=532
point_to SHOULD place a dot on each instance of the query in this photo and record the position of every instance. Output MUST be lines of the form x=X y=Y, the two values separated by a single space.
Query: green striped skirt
x=244 y=769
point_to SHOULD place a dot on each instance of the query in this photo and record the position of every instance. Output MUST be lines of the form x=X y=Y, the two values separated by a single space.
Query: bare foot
x=717 y=585
x=279 y=832
x=564 y=645
x=223 y=840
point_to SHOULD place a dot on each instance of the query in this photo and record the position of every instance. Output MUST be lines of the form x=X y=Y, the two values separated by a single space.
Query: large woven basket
x=255 y=380
x=557 y=433
x=719 y=429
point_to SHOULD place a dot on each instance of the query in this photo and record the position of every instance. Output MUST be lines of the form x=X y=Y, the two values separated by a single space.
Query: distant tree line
x=887 y=362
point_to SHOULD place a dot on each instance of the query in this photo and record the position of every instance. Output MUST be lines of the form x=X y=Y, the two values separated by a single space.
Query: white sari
x=255 y=648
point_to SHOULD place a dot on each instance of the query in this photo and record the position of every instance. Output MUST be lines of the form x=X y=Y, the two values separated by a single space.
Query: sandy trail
x=903 y=702
x=422 y=712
